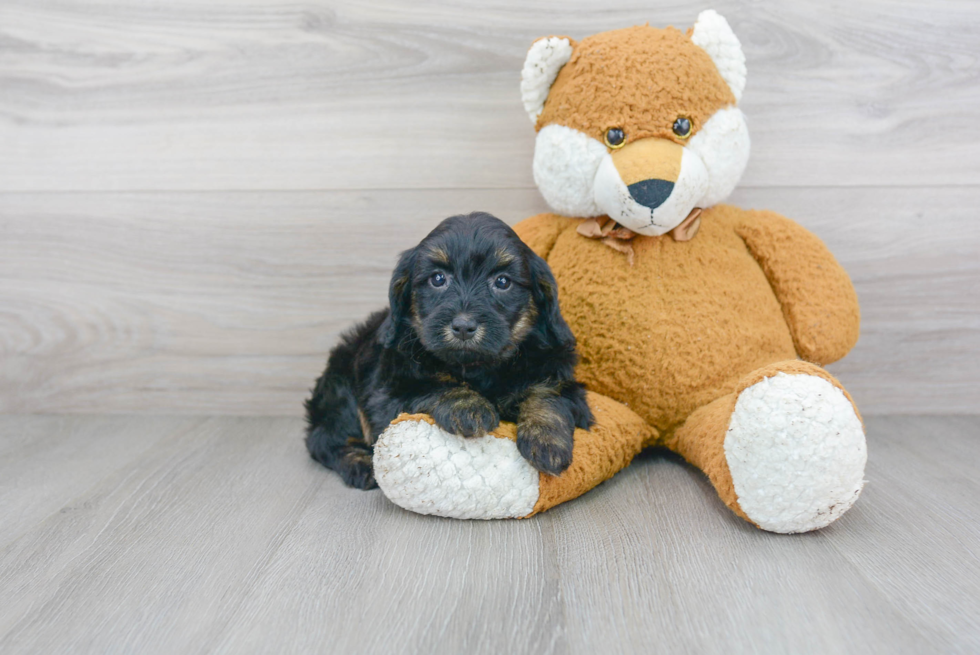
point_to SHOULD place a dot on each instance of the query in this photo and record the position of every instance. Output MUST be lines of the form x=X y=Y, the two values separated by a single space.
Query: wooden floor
x=218 y=535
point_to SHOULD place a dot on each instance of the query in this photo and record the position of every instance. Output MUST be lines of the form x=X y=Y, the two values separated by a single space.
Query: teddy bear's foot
x=424 y=469
x=796 y=452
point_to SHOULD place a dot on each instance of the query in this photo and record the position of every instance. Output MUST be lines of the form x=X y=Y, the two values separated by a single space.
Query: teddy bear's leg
x=425 y=469
x=785 y=451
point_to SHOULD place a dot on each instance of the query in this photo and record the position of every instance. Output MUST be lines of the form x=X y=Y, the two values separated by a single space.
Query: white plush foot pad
x=796 y=452
x=427 y=470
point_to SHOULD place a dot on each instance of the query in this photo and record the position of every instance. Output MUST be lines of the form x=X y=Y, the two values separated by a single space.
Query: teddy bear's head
x=638 y=124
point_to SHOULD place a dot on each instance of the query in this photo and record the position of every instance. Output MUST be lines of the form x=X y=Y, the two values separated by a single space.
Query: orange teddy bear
x=702 y=327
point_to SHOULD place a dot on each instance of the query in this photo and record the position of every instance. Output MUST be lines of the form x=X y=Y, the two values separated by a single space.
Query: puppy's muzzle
x=464 y=327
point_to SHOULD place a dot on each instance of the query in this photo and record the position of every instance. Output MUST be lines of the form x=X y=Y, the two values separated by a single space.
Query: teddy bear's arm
x=816 y=294
x=540 y=232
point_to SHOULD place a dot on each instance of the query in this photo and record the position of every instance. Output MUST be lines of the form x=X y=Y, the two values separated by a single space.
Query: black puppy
x=473 y=335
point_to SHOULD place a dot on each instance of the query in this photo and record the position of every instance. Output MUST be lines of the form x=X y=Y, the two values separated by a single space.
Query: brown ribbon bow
x=618 y=237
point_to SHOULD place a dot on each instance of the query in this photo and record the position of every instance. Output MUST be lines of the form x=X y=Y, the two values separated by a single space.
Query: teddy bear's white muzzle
x=660 y=215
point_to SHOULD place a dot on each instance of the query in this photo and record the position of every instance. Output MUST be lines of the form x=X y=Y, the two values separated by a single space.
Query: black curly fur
x=519 y=367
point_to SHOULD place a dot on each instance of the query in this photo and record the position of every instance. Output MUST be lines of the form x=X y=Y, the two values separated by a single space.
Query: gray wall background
x=196 y=198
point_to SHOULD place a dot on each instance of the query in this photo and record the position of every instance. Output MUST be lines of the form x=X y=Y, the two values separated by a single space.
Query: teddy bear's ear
x=713 y=35
x=544 y=60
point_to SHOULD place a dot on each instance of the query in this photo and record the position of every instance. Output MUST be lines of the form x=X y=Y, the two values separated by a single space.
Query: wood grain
x=917 y=537
x=228 y=302
x=224 y=537
x=47 y=462
x=271 y=94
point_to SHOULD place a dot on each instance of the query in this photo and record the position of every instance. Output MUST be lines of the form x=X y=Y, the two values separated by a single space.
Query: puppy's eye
x=502 y=282
x=438 y=279
x=615 y=137
x=682 y=127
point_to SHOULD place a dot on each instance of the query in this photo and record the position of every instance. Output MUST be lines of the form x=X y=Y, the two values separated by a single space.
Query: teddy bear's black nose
x=651 y=193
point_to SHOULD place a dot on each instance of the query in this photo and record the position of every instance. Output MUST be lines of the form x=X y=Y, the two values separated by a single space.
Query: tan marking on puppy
x=365 y=427
x=438 y=255
x=537 y=409
x=524 y=324
x=544 y=436
x=417 y=322
x=504 y=257
x=464 y=399
x=356 y=449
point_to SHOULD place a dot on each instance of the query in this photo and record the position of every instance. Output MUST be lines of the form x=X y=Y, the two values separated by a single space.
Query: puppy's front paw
x=356 y=469
x=547 y=445
x=466 y=413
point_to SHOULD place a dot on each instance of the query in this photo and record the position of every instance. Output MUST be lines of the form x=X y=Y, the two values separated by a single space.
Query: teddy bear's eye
x=615 y=137
x=682 y=127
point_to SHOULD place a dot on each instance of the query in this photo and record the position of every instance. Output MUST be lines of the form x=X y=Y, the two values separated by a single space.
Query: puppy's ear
x=399 y=299
x=551 y=328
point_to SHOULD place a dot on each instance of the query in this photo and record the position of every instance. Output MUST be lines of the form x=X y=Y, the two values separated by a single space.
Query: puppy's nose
x=464 y=327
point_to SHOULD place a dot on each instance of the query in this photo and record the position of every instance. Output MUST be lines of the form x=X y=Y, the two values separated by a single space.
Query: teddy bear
x=702 y=327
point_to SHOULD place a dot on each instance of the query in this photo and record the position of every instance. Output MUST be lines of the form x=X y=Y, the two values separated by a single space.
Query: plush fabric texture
x=701 y=439
x=544 y=60
x=680 y=332
x=616 y=437
x=816 y=294
x=713 y=34
x=687 y=320
x=723 y=146
x=424 y=469
x=565 y=166
x=640 y=80
x=660 y=74
x=796 y=452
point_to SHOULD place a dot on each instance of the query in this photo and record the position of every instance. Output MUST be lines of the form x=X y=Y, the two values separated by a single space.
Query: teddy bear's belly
x=678 y=328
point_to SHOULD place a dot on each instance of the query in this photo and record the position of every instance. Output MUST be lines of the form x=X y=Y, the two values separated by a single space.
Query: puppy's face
x=471 y=299
x=473 y=291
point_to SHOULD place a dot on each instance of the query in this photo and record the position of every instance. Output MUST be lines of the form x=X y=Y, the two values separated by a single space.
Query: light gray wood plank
x=228 y=302
x=47 y=462
x=199 y=528
x=226 y=538
x=364 y=576
x=156 y=557
x=232 y=299
x=915 y=532
x=680 y=573
x=326 y=95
